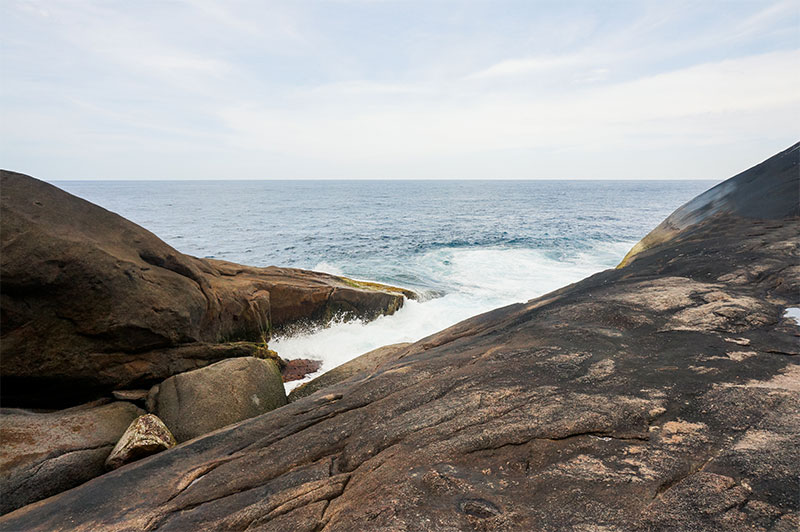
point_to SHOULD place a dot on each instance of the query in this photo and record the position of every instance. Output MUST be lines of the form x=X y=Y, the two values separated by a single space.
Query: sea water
x=465 y=246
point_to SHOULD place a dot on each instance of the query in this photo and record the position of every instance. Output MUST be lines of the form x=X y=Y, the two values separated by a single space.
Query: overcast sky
x=391 y=89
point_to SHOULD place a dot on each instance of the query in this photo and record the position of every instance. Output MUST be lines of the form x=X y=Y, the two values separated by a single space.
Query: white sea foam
x=475 y=281
x=326 y=267
x=794 y=313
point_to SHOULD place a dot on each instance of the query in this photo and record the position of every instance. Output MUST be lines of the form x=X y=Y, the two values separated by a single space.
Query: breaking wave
x=467 y=281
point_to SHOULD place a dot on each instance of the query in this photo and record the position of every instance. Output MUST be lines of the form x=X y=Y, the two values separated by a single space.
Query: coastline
x=639 y=392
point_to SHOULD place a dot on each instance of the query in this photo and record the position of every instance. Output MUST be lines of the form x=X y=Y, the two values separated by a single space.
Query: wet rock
x=146 y=435
x=298 y=368
x=197 y=402
x=46 y=453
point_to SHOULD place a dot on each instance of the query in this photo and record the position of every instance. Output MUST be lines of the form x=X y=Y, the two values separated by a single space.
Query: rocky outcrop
x=92 y=302
x=766 y=191
x=46 y=453
x=660 y=396
x=359 y=367
x=197 y=402
x=146 y=435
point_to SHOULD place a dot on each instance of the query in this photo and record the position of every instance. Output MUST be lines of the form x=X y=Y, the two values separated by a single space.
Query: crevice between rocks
x=597 y=434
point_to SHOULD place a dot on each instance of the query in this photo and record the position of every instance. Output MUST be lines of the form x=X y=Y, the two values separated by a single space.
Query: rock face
x=298 y=368
x=44 y=454
x=765 y=191
x=92 y=302
x=660 y=396
x=197 y=402
x=359 y=367
x=146 y=435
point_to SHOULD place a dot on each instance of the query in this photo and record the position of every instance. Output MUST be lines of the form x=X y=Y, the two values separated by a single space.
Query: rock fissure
x=526 y=441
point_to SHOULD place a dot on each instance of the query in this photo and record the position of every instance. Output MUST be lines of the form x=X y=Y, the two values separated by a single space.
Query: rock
x=766 y=191
x=134 y=396
x=359 y=367
x=578 y=410
x=298 y=368
x=46 y=453
x=145 y=436
x=197 y=402
x=91 y=302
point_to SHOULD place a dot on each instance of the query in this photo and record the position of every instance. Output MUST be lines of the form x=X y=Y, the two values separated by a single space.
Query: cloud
x=513 y=67
x=363 y=89
x=631 y=112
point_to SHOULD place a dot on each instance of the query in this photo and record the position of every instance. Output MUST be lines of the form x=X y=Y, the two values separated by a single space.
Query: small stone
x=134 y=396
x=480 y=508
x=145 y=436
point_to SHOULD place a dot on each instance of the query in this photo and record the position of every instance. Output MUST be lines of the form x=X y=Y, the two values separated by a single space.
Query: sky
x=349 y=89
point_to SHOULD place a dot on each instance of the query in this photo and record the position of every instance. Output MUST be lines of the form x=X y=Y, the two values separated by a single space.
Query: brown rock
x=578 y=410
x=46 y=453
x=197 y=402
x=357 y=368
x=298 y=368
x=92 y=302
x=146 y=435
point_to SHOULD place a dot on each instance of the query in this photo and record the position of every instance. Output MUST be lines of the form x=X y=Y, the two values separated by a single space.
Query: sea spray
x=473 y=281
x=465 y=246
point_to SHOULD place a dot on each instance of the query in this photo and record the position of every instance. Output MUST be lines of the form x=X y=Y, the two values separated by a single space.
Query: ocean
x=465 y=246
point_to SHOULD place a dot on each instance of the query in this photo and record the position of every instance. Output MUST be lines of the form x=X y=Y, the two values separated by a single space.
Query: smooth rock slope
x=664 y=395
x=361 y=366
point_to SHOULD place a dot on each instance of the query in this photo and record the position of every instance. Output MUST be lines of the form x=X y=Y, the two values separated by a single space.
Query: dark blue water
x=371 y=229
x=468 y=246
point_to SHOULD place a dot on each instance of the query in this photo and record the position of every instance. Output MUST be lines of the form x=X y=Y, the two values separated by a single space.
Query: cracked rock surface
x=622 y=402
x=42 y=454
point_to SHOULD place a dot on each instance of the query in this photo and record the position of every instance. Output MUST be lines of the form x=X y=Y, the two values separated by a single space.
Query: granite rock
x=197 y=402
x=146 y=435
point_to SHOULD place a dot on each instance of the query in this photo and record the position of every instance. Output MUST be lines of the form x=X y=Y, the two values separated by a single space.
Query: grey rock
x=46 y=453
x=146 y=435
x=197 y=402
x=130 y=395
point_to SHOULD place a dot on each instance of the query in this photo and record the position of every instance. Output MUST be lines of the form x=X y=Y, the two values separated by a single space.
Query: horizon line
x=325 y=179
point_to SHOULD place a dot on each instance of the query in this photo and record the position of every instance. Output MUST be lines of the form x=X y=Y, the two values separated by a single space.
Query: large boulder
x=660 y=396
x=197 y=402
x=46 y=453
x=359 y=367
x=91 y=302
